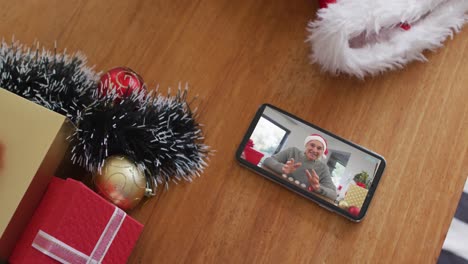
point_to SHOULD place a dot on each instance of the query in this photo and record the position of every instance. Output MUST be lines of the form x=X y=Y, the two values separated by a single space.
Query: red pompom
x=324 y=3
x=405 y=26
x=124 y=80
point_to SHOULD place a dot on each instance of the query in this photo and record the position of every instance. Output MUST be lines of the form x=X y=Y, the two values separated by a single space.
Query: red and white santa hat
x=368 y=37
x=320 y=139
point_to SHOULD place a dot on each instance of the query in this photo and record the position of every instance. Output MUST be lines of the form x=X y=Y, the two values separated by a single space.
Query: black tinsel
x=158 y=132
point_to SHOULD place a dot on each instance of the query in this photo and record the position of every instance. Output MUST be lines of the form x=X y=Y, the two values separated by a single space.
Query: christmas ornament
x=122 y=81
x=343 y=204
x=159 y=133
x=121 y=181
x=368 y=37
x=354 y=210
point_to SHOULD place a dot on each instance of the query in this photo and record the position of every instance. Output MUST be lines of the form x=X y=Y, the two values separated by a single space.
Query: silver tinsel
x=158 y=132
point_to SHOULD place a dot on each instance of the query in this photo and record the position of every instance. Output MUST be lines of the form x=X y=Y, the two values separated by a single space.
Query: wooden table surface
x=237 y=55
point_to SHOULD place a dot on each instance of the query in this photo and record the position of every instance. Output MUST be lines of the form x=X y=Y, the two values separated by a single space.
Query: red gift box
x=73 y=224
x=253 y=156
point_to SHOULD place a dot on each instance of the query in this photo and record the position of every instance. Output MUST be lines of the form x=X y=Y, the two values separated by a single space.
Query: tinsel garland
x=160 y=133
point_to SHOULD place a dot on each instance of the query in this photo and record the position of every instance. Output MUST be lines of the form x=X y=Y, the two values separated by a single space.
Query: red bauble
x=354 y=210
x=362 y=185
x=124 y=80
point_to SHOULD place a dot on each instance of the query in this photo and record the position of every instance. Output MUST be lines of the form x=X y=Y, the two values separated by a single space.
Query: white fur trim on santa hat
x=319 y=139
x=384 y=45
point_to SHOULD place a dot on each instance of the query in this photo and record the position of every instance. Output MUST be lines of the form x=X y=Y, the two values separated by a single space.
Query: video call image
x=311 y=160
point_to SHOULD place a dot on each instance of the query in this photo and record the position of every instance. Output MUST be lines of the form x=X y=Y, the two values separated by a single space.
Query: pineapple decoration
x=362 y=179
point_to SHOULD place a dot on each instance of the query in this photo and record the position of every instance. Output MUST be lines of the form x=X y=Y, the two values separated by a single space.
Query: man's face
x=313 y=150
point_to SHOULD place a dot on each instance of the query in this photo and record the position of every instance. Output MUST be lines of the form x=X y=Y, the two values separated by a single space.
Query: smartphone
x=337 y=174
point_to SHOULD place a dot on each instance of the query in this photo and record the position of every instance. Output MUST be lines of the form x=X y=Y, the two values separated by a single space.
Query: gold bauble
x=121 y=182
x=343 y=204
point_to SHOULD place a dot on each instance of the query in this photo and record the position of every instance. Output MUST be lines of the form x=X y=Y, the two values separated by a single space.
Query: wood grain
x=237 y=55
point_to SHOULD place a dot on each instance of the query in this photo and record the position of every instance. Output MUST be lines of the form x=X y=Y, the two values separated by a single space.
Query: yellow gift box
x=32 y=146
x=355 y=196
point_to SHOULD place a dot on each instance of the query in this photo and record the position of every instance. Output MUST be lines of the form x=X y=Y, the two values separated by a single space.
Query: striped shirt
x=455 y=248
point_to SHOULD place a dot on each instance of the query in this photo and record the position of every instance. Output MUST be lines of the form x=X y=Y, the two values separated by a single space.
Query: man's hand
x=314 y=180
x=290 y=166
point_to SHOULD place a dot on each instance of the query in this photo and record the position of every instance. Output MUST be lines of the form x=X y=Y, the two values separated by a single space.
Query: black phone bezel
x=327 y=205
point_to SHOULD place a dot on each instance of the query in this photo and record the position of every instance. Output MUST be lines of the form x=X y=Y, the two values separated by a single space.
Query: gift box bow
x=73 y=224
x=63 y=253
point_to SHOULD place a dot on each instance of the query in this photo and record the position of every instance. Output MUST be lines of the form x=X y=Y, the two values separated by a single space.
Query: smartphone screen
x=336 y=173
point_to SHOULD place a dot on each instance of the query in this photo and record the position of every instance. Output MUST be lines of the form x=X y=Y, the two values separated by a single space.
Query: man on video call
x=305 y=167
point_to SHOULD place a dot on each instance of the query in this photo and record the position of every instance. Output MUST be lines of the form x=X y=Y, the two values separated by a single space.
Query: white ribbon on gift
x=63 y=253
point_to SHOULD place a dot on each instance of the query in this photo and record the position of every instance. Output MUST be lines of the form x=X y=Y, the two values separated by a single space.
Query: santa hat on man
x=367 y=37
x=320 y=139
